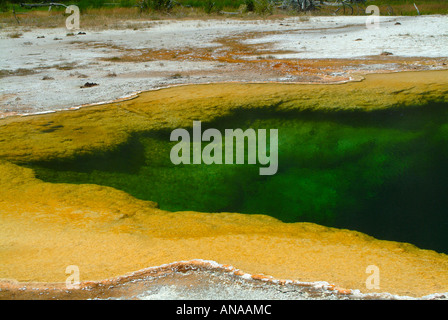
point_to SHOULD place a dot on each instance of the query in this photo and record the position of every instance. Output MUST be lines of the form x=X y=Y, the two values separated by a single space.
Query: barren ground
x=44 y=69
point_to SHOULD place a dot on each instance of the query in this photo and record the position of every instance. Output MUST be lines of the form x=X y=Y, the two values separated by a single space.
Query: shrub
x=209 y=6
x=263 y=7
x=250 y=5
x=86 y=4
x=127 y=3
x=3 y=6
x=158 y=5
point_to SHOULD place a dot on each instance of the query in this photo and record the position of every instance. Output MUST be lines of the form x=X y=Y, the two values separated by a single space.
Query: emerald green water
x=384 y=173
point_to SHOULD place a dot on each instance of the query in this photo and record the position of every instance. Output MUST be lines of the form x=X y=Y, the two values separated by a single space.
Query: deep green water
x=384 y=173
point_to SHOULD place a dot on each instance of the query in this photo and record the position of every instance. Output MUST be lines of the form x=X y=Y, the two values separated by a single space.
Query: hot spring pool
x=380 y=172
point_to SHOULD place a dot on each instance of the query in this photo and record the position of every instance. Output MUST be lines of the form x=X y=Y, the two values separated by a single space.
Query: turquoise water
x=383 y=173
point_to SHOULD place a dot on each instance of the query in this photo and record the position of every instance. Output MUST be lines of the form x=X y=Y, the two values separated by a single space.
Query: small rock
x=81 y=32
x=398 y=24
x=385 y=53
x=40 y=37
x=89 y=85
x=47 y=78
x=359 y=39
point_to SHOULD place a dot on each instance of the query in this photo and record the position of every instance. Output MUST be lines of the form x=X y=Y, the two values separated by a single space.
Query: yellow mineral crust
x=68 y=133
x=45 y=227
